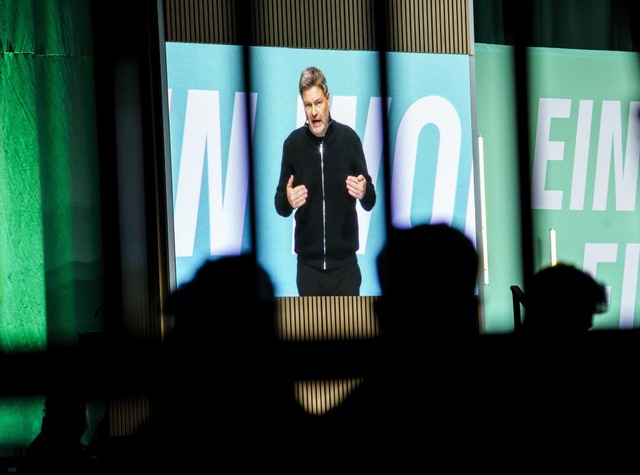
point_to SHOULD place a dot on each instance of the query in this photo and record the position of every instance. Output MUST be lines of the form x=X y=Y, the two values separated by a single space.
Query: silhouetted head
x=230 y=299
x=66 y=415
x=562 y=300
x=428 y=277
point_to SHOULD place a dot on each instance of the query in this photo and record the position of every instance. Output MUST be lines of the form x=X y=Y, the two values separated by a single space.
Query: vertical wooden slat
x=279 y=21
x=455 y=30
x=299 y=25
x=419 y=27
x=195 y=20
x=332 y=27
x=437 y=31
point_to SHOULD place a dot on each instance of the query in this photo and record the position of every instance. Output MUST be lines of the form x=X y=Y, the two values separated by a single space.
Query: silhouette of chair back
x=519 y=302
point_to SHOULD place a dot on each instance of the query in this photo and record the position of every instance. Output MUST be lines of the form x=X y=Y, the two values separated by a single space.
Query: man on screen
x=322 y=176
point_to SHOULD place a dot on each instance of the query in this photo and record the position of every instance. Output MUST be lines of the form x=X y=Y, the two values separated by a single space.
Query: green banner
x=585 y=146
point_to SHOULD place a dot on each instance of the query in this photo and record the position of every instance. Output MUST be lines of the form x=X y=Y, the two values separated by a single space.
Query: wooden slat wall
x=295 y=24
x=201 y=21
x=127 y=414
x=326 y=318
x=320 y=396
x=425 y=26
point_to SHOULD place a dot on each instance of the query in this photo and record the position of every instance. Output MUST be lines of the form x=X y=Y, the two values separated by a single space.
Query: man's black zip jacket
x=337 y=227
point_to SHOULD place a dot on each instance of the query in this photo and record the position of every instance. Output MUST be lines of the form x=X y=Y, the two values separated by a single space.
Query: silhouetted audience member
x=428 y=276
x=224 y=401
x=561 y=301
x=561 y=362
x=58 y=447
x=421 y=390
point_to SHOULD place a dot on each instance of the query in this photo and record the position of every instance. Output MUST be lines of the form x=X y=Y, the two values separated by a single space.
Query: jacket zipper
x=324 y=222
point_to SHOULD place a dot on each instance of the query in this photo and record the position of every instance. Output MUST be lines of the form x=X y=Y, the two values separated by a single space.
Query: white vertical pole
x=483 y=211
x=552 y=240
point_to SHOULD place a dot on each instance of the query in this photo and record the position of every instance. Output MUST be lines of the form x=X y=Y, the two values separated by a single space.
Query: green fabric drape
x=50 y=235
x=50 y=249
x=22 y=287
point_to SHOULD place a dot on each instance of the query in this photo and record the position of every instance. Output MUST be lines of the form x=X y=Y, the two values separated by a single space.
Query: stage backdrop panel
x=585 y=146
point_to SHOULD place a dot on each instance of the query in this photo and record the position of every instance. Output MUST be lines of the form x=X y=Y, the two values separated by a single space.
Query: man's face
x=316 y=108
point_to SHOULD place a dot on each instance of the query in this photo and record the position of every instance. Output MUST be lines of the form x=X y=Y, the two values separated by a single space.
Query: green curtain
x=50 y=235
x=50 y=248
